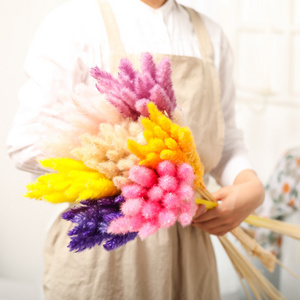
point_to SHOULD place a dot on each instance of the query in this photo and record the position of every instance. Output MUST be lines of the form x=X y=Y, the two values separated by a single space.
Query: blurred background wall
x=265 y=36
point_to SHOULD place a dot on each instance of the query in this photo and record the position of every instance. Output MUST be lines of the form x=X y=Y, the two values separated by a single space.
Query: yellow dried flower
x=151 y=160
x=73 y=182
x=175 y=156
x=148 y=134
x=171 y=144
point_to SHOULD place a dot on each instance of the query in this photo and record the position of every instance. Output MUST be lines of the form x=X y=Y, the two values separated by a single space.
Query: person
x=282 y=202
x=175 y=263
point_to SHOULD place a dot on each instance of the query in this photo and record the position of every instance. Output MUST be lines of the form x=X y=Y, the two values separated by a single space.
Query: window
x=267 y=50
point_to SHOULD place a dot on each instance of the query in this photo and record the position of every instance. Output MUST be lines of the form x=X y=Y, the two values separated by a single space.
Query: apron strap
x=204 y=41
x=112 y=30
x=116 y=45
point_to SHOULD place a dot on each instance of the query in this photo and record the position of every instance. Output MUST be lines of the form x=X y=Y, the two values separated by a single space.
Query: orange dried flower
x=167 y=141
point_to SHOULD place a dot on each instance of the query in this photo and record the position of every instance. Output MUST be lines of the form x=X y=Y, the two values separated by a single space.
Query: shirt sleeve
x=235 y=156
x=52 y=65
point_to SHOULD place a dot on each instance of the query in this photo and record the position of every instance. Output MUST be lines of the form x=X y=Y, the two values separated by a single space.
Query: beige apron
x=176 y=263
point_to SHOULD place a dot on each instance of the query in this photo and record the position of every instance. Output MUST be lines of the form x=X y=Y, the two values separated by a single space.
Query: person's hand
x=236 y=202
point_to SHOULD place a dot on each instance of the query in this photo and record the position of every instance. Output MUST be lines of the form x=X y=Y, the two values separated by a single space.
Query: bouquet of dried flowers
x=131 y=168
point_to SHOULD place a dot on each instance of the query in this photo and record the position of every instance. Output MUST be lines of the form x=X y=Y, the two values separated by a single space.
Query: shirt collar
x=144 y=8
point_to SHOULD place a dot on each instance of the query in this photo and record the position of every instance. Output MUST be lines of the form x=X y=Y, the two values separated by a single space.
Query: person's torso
x=195 y=78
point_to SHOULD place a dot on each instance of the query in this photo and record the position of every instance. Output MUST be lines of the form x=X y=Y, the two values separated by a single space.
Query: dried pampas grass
x=72 y=115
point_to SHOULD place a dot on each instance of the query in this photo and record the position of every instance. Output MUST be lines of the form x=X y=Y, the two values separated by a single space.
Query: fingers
x=200 y=211
x=219 y=230
x=207 y=215
x=210 y=224
x=216 y=226
x=222 y=193
x=221 y=219
x=216 y=221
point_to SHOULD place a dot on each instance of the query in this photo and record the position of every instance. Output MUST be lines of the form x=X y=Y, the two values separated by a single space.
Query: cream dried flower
x=107 y=152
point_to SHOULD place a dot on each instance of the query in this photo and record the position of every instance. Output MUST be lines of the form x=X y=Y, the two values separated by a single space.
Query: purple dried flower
x=129 y=97
x=148 y=65
x=142 y=108
x=92 y=219
x=119 y=240
x=122 y=106
x=161 y=99
x=112 y=216
x=164 y=79
x=105 y=80
x=125 y=92
x=119 y=199
x=140 y=88
x=127 y=69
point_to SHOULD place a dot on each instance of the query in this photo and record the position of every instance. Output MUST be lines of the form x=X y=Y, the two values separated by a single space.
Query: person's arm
x=242 y=191
x=236 y=203
x=235 y=157
x=53 y=65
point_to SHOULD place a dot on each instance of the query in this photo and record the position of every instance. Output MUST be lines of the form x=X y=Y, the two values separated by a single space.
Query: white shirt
x=72 y=39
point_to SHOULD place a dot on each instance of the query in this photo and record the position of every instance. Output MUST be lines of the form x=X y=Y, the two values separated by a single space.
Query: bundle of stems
x=267 y=258
x=291 y=230
x=280 y=227
x=259 y=285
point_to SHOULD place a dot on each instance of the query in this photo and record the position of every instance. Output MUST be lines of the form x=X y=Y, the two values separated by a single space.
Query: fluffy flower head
x=153 y=201
x=72 y=182
x=92 y=219
x=167 y=141
x=131 y=90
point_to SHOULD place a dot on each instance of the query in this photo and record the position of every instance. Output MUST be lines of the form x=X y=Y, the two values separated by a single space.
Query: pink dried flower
x=156 y=199
x=133 y=191
x=171 y=200
x=148 y=229
x=132 y=207
x=168 y=183
x=185 y=192
x=151 y=209
x=143 y=176
x=185 y=219
x=167 y=218
x=136 y=223
x=166 y=168
x=155 y=193
x=187 y=211
x=185 y=173
x=119 y=226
